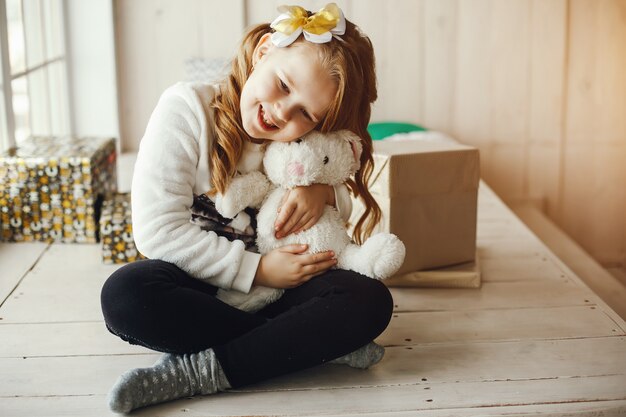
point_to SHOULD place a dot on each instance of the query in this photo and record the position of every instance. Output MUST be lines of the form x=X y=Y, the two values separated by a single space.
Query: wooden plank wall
x=153 y=40
x=538 y=85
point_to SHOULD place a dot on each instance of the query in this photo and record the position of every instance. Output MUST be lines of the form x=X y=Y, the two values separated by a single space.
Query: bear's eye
x=298 y=140
x=325 y=160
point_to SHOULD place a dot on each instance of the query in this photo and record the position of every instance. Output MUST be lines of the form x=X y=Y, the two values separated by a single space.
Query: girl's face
x=288 y=92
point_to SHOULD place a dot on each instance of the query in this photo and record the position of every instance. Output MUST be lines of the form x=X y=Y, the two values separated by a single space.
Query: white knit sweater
x=172 y=165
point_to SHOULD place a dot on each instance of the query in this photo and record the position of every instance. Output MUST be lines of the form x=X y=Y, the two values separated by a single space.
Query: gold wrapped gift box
x=428 y=190
x=51 y=188
x=116 y=231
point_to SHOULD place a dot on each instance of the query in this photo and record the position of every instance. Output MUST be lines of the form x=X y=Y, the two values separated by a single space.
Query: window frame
x=7 y=92
x=7 y=77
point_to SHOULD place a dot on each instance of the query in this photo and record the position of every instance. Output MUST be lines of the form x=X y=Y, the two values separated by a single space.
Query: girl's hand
x=287 y=267
x=302 y=207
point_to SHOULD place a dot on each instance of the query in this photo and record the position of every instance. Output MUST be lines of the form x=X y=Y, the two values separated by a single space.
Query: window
x=34 y=98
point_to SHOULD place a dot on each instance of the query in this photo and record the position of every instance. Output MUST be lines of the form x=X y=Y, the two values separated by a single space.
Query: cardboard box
x=427 y=190
x=52 y=188
x=116 y=231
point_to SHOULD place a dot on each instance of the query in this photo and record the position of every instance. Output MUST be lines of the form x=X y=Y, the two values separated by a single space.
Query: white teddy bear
x=317 y=158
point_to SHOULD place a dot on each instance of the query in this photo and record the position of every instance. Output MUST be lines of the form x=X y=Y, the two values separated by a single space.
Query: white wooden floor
x=532 y=341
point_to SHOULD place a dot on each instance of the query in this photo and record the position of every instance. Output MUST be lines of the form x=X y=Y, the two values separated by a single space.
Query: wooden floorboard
x=425 y=366
x=64 y=286
x=40 y=301
x=94 y=406
x=492 y=295
x=16 y=259
x=509 y=324
x=603 y=283
x=387 y=399
x=533 y=341
x=520 y=269
x=61 y=339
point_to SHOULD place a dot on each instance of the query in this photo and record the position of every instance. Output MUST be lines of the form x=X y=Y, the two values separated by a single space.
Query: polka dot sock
x=171 y=377
x=362 y=358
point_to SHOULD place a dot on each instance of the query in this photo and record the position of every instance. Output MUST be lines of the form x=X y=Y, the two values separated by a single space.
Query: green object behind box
x=382 y=130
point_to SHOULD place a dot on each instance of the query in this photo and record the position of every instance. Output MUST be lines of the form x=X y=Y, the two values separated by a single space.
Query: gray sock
x=171 y=377
x=362 y=358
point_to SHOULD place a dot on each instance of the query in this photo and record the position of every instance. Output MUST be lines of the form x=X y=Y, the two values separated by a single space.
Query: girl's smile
x=265 y=121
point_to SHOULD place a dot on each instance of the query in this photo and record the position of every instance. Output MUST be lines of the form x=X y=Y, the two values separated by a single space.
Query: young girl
x=305 y=71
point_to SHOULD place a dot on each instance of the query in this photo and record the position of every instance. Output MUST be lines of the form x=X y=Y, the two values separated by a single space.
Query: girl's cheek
x=268 y=82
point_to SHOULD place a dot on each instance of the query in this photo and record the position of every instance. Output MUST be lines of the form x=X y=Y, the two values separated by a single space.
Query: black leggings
x=157 y=305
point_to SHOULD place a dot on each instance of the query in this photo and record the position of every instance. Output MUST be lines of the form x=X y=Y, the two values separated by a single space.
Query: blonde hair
x=350 y=61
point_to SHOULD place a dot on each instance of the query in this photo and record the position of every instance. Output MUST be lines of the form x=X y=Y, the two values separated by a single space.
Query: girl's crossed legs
x=157 y=305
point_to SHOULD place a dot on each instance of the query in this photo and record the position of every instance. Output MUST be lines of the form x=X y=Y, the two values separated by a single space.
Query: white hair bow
x=320 y=27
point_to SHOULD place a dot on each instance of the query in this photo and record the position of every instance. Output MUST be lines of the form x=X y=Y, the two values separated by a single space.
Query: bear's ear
x=355 y=152
x=355 y=144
